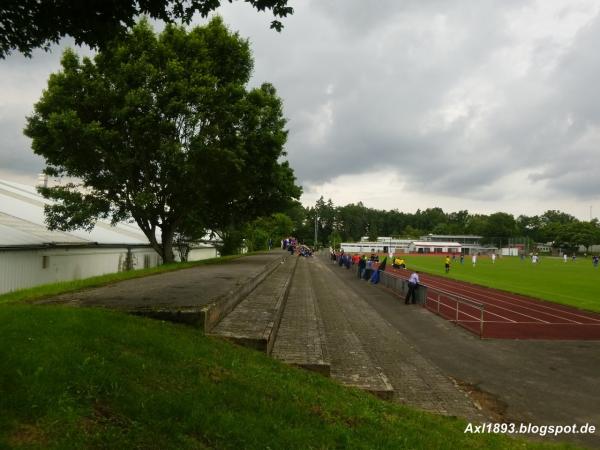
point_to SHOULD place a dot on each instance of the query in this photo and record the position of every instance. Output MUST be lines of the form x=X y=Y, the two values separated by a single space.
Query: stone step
x=300 y=339
x=214 y=312
x=350 y=362
x=255 y=320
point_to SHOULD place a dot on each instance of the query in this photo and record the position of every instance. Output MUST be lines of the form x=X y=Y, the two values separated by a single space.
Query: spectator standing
x=362 y=264
x=368 y=270
x=377 y=274
x=413 y=284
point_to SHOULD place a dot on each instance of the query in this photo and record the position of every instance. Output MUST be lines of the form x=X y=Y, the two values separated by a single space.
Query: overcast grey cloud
x=487 y=106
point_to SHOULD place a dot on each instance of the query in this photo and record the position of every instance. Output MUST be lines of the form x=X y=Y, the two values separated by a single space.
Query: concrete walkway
x=529 y=381
x=415 y=380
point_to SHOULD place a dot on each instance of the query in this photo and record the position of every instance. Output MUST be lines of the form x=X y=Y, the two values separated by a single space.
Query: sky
x=488 y=105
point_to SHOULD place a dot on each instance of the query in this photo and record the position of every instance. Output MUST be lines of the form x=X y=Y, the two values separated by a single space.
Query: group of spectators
x=291 y=245
x=369 y=269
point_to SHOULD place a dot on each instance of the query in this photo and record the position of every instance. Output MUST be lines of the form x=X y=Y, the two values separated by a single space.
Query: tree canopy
x=29 y=24
x=162 y=129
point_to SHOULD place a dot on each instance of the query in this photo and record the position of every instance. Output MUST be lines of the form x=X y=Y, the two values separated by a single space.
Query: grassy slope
x=572 y=283
x=82 y=378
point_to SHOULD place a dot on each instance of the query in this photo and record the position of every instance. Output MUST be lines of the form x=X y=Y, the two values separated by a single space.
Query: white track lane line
x=500 y=307
x=442 y=284
x=538 y=305
x=485 y=311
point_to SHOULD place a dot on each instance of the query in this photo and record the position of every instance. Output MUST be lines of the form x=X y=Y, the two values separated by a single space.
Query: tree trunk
x=167 y=246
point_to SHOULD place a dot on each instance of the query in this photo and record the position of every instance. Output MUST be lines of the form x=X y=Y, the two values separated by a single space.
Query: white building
x=31 y=255
x=470 y=243
x=431 y=243
x=435 y=247
x=382 y=245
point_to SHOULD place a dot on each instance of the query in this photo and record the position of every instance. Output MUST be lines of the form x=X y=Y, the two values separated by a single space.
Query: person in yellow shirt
x=399 y=263
x=447 y=264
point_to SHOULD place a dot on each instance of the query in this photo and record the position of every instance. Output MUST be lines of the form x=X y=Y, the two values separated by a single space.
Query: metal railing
x=458 y=300
x=436 y=295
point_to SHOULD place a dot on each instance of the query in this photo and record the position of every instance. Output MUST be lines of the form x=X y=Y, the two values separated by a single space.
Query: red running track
x=505 y=315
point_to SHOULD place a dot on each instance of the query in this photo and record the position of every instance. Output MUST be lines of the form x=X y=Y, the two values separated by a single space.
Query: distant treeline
x=352 y=222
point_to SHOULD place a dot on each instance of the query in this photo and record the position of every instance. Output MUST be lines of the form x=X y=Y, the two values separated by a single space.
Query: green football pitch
x=575 y=283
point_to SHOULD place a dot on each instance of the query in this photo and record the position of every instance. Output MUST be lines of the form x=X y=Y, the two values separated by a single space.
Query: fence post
x=457 y=311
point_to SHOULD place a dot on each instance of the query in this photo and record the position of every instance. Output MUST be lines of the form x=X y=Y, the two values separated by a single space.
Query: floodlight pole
x=316 y=217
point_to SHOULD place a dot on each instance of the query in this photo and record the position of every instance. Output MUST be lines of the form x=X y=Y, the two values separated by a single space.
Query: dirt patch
x=486 y=402
x=103 y=416
x=27 y=434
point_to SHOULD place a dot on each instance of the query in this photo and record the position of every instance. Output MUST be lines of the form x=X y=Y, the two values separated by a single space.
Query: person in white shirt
x=493 y=258
x=413 y=284
x=474 y=259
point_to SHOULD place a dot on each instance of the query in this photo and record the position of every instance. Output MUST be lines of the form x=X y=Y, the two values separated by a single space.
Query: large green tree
x=499 y=228
x=29 y=24
x=162 y=129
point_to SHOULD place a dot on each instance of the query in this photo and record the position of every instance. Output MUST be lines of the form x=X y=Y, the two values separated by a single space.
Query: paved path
x=416 y=381
x=351 y=363
x=530 y=381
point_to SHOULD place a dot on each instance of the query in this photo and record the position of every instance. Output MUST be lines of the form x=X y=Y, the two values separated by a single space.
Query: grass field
x=574 y=283
x=76 y=378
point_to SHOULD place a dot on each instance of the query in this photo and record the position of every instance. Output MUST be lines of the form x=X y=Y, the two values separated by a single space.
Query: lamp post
x=316 y=229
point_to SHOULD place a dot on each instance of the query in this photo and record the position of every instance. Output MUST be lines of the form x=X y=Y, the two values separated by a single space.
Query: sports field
x=574 y=283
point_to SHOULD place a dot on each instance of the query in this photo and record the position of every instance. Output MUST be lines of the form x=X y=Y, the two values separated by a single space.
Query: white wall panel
x=24 y=268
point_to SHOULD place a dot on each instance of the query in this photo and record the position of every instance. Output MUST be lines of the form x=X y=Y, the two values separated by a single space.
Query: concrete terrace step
x=199 y=296
x=254 y=321
x=213 y=313
x=350 y=363
x=301 y=336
